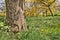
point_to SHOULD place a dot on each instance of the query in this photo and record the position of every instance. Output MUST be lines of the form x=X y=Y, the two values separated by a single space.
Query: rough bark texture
x=15 y=15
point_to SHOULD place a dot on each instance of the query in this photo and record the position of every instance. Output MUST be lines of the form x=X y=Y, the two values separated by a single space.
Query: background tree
x=47 y=3
x=44 y=6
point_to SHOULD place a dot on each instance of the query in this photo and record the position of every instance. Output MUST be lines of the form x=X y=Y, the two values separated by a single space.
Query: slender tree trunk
x=50 y=11
x=43 y=13
x=46 y=12
x=15 y=15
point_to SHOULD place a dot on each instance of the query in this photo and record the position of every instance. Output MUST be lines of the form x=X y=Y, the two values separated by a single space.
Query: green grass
x=39 y=28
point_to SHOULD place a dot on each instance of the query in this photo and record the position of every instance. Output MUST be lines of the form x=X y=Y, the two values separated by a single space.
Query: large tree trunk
x=15 y=15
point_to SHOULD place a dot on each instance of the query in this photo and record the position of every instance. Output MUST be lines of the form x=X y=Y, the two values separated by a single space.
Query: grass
x=39 y=28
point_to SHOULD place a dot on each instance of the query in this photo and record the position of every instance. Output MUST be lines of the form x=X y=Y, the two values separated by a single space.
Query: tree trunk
x=50 y=11
x=15 y=15
x=46 y=12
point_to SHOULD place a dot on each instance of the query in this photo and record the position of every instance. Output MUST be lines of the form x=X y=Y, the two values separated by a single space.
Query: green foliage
x=39 y=28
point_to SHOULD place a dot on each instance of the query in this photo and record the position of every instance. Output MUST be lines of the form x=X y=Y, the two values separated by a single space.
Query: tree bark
x=50 y=11
x=15 y=15
x=46 y=12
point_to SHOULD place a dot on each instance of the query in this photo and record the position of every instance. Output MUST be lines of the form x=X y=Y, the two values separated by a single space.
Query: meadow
x=39 y=28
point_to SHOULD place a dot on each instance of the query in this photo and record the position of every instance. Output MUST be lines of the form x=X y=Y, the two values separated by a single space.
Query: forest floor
x=39 y=28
